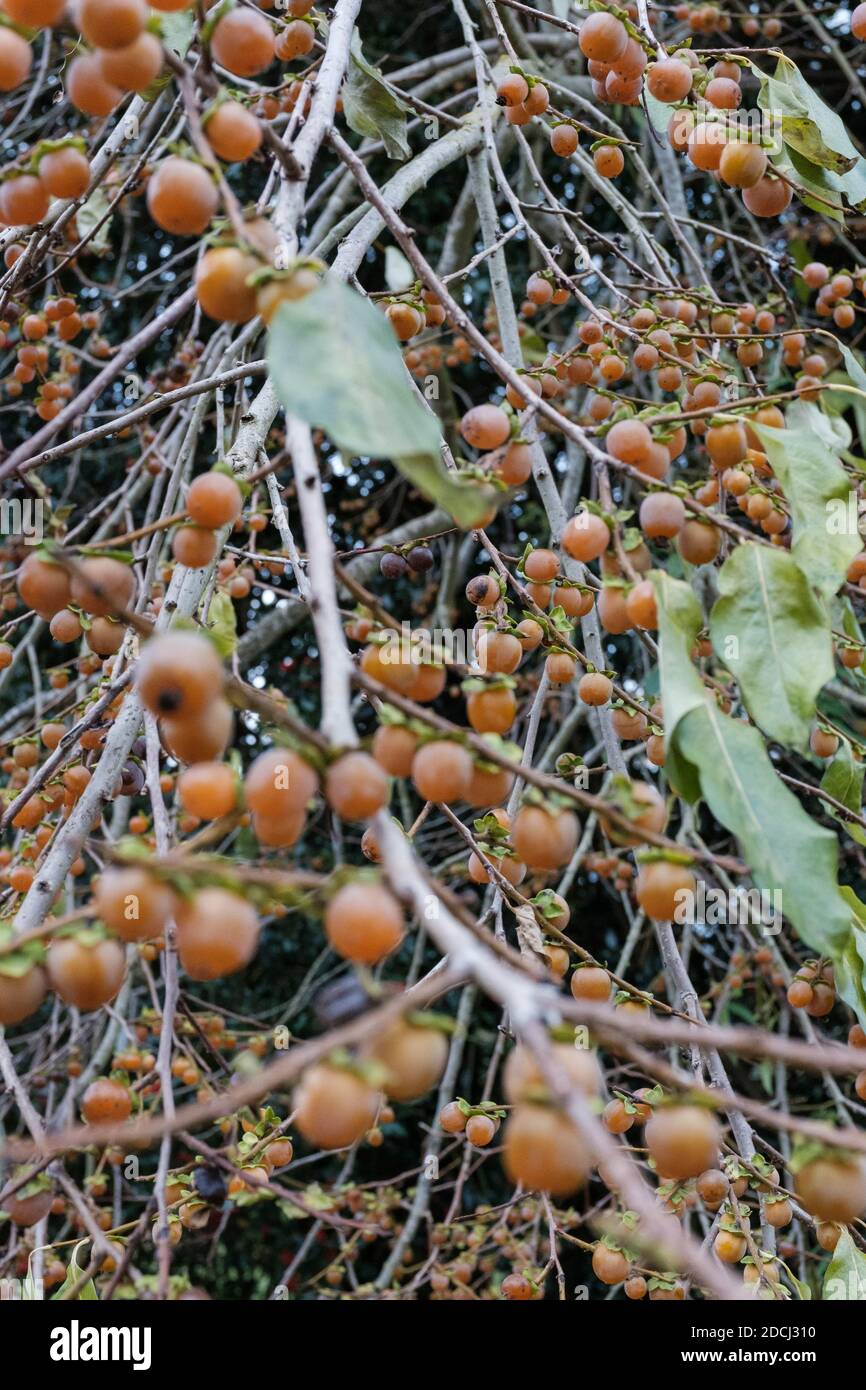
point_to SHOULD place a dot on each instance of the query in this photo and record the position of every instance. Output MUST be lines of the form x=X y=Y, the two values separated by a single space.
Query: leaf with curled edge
x=815 y=186
x=87 y=1293
x=808 y=125
x=370 y=105
x=530 y=937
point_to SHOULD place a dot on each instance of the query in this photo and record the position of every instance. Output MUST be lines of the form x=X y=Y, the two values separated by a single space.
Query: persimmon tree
x=432 y=675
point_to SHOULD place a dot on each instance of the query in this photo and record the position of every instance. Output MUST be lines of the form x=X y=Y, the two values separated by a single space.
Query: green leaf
x=847 y=391
x=820 y=497
x=468 y=501
x=800 y=253
x=534 y=348
x=123 y=557
x=845 y=1279
x=315 y=1199
x=725 y=762
x=87 y=1293
x=850 y=965
x=680 y=620
x=336 y=364
x=370 y=106
x=659 y=112
x=214 y=15
x=30 y=1293
x=843 y=779
x=802 y=1290
x=805 y=138
x=89 y=214
x=222 y=624
x=785 y=849
x=830 y=124
x=852 y=185
x=177 y=30
x=399 y=274
x=855 y=367
x=809 y=126
x=818 y=188
x=773 y=634
x=845 y=620
x=832 y=429
x=14 y=965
